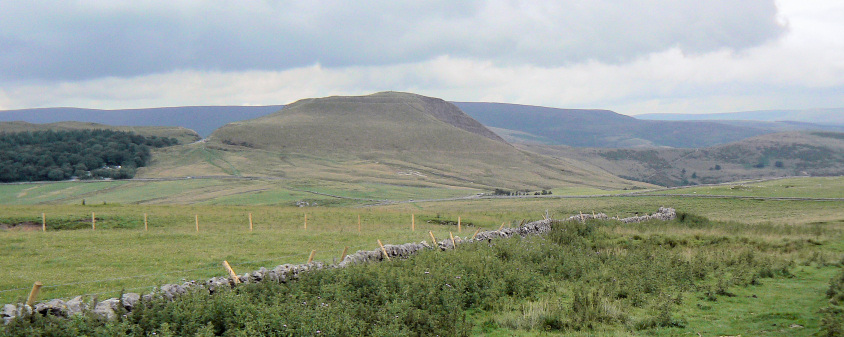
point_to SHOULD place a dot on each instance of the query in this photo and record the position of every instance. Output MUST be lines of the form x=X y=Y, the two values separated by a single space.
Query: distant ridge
x=183 y=135
x=815 y=153
x=834 y=116
x=202 y=119
x=512 y=123
x=603 y=128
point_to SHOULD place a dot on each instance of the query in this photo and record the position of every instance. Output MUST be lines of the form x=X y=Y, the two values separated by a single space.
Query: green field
x=226 y=191
x=821 y=187
x=72 y=259
x=173 y=250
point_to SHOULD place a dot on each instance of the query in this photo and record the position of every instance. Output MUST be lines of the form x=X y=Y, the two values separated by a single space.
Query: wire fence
x=151 y=287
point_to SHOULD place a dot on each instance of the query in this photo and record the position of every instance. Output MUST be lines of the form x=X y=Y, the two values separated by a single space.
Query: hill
x=604 y=128
x=822 y=117
x=773 y=155
x=202 y=119
x=181 y=134
x=516 y=123
x=389 y=137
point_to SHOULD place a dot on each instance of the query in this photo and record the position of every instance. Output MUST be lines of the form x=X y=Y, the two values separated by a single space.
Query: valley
x=758 y=237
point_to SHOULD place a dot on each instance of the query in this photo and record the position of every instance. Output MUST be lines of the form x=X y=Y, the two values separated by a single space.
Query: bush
x=832 y=316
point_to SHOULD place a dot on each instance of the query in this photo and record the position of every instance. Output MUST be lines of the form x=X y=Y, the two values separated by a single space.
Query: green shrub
x=832 y=316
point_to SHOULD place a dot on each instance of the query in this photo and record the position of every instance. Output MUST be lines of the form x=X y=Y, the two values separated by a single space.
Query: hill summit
x=385 y=121
x=393 y=137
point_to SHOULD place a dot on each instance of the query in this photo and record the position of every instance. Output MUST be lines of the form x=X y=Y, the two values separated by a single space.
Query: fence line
x=147 y=275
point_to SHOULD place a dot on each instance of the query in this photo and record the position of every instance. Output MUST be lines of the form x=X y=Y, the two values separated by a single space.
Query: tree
x=55 y=174
x=42 y=155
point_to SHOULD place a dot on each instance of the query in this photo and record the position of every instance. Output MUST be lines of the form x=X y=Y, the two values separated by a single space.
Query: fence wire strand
x=149 y=275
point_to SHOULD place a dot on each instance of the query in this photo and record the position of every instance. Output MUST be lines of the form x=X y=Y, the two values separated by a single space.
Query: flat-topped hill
x=389 y=137
x=387 y=121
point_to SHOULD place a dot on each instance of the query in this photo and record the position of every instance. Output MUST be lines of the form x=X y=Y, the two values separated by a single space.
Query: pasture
x=802 y=238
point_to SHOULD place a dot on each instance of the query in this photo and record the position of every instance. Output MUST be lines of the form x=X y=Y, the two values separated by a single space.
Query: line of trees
x=82 y=154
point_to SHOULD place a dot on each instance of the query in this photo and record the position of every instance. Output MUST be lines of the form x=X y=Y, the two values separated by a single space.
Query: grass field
x=172 y=249
x=820 y=187
x=763 y=279
x=218 y=191
x=72 y=259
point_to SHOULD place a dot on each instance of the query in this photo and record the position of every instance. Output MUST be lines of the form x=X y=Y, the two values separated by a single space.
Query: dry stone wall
x=109 y=308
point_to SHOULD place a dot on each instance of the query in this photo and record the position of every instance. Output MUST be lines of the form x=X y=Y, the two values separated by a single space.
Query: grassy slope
x=217 y=191
x=822 y=187
x=183 y=135
x=377 y=138
x=801 y=153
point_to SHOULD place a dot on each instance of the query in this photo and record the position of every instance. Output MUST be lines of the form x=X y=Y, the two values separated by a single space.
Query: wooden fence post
x=43 y=222
x=476 y=233
x=345 y=250
x=383 y=250
x=458 y=224
x=146 y=226
x=93 y=221
x=453 y=243
x=502 y=226
x=231 y=272
x=196 y=216
x=311 y=258
x=433 y=239
x=33 y=294
x=412 y=222
x=306 y=220
x=250 y=222
x=358 y=223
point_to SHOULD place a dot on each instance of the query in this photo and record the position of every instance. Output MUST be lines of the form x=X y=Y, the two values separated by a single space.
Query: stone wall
x=286 y=272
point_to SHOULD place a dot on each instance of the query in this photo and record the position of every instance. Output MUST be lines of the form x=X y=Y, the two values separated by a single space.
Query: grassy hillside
x=819 y=187
x=774 y=155
x=604 y=128
x=184 y=135
x=394 y=138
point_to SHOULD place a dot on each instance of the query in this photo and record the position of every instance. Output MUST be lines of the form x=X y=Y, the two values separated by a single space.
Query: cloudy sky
x=629 y=56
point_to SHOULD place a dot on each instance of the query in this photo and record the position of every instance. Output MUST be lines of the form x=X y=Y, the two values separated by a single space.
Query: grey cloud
x=82 y=40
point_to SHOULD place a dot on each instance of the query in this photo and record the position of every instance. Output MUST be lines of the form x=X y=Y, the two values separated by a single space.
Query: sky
x=633 y=57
